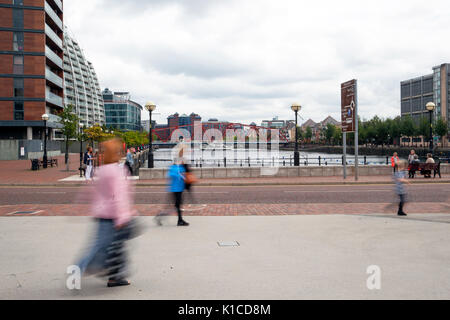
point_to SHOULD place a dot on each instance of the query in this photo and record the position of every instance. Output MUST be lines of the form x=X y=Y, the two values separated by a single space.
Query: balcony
x=54 y=99
x=58 y=3
x=53 y=36
x=52 y=14
x=53 y=57
x=53 y=78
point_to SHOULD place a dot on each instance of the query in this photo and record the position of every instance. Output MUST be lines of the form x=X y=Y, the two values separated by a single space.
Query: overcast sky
x=249 y=60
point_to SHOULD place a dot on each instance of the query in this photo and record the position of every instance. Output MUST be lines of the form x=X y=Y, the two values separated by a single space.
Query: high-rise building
x=417 y=92
x=82 y=89
x=121 y=112
x=31 y=67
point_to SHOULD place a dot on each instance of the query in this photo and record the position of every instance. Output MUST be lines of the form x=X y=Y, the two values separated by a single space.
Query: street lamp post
x=150 y=106
x=81 y=149
x=296 y=107
x=431 y=107
x=45 y=118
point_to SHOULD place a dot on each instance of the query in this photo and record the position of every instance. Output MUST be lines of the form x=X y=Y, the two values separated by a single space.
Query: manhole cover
x=23 y=213
x=228 y=244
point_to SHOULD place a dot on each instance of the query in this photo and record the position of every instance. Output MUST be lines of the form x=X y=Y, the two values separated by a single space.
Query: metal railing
x=49 y=10
x=49 y=75
x=53 y=36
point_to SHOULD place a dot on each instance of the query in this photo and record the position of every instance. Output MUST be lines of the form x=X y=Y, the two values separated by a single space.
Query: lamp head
x=431 y=106
x=296 y=107
x=150 y=106
x=45 y=117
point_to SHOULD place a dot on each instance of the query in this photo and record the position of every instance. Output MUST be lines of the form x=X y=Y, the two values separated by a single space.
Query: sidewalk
x=18 y=173
x=281 y=257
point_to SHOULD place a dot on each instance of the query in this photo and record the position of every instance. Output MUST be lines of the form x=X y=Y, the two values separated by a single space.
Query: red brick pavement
x=242 y=209
x=19 y=172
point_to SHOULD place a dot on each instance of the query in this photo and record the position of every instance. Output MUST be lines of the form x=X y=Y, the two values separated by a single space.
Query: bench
x=37 y=164
x=425 y=169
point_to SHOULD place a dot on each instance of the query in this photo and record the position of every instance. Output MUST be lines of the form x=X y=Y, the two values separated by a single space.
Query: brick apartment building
x=31 y=66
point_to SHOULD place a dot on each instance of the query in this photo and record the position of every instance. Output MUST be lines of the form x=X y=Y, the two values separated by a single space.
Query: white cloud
x=249 y=60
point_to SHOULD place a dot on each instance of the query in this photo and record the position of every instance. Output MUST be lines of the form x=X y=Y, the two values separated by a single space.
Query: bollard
x=225 y=162
x=249 y=165
x=365 y=160
x=320 y=161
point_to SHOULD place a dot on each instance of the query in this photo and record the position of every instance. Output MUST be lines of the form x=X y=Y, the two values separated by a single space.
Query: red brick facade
x=34 y=60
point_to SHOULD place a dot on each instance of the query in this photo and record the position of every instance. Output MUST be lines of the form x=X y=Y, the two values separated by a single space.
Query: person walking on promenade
x=189 y=181
x=130 y=161
x=394 y=162
x=400 y=181
x=89 y=162
x=176 y=176
x=112 y=209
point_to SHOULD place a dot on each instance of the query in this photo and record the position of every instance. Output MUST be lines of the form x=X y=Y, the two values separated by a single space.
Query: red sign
x=348 y=105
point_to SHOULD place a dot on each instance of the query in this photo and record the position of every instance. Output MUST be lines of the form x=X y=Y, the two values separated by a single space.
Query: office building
x=121 y=112
x=417 y=92
x=31 y=67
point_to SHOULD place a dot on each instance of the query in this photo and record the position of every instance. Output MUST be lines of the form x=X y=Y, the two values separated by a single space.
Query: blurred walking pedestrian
x=190 y=180
x=112 y=209
x=177 y=185
x=400 y=181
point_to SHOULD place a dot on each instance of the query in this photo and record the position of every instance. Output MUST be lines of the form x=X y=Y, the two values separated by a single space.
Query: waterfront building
x=121 y=112
x=82 y=88
x=31 y=67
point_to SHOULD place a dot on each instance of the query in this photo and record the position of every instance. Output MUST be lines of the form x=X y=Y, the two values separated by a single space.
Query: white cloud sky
x=249 y=60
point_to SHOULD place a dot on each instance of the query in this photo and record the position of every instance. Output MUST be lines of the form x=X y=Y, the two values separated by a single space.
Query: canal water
x=237 y=158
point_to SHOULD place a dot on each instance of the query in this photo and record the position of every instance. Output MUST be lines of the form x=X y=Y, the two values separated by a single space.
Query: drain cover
x=228 y=244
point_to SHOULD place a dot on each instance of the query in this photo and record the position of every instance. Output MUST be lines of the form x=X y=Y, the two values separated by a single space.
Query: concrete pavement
x=279 y=257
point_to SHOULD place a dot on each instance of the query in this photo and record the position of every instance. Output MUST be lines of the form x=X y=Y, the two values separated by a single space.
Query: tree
x=96 y=134
x=308 y=134
x=69 y=121
x=329 y=133
x=441 y=129
x=424 y=129
x=337 y=138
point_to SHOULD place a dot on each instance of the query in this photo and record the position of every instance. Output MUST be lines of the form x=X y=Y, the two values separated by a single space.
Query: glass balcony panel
x=53 y=15
x=53 y=36
x=54 y=78
x=54 y=99
x=53 y=57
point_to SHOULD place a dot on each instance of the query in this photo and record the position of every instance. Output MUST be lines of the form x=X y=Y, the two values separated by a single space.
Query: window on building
x=18 y=2
x=18 y=88
x=18 y=64
x=18 y=111
x=18 y=41
x=18 y=18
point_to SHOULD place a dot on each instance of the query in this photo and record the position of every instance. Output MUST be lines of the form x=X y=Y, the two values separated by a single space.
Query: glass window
x=18 y=2
x=18 y=64
x=18 y=18
x=18 y=111
x=18 y=88
x=18 y=41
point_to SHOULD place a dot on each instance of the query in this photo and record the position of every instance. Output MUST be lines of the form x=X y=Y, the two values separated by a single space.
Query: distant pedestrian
x=394 y=161
x=400 y=181
x=89 y=162
x=130 y=161
x=411 y=157
x=112 y=209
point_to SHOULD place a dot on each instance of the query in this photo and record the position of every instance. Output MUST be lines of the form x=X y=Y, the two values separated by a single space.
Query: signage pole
x=344 y=138
x=356 y=133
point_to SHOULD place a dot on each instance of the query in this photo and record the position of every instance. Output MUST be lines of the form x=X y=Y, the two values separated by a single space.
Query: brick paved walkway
x=19 y=172
x=242 y=209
